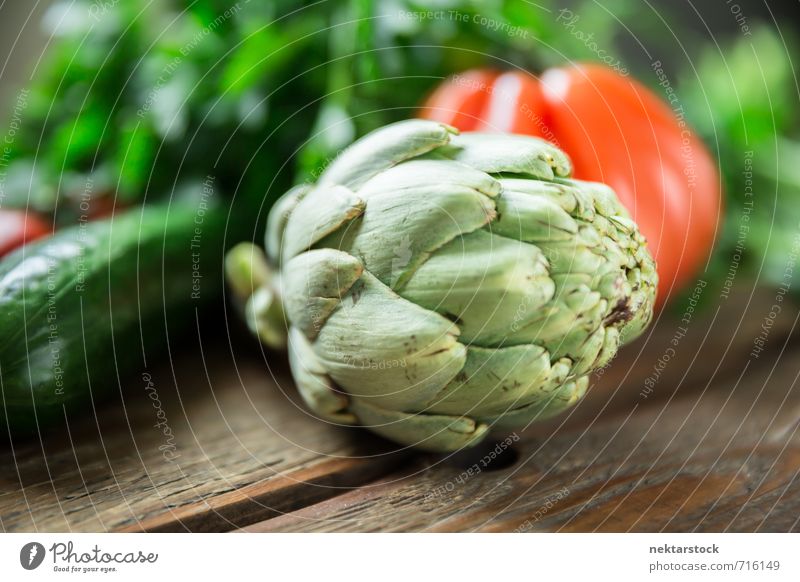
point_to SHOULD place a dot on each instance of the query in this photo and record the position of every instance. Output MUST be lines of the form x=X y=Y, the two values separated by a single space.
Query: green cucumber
x=84 y=308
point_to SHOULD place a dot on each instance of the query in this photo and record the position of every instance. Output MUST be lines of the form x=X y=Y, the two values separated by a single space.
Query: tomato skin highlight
x=18 y=228
x=516 y=105
x=618 y=132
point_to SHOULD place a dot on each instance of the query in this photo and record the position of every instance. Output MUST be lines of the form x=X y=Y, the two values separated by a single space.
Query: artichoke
x=433 y=285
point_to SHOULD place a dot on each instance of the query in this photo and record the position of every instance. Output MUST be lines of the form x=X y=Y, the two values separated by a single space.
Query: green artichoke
x=433 y=285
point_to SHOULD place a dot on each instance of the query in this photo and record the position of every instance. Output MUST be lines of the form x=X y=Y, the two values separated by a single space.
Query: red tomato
x=616 y=131
x=18 y=228
x=462 y=101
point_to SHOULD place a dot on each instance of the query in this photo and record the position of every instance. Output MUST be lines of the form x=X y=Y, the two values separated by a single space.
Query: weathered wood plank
x=242 y=448
x=245 y=450
x=722 y=458
x=775 y=510
x=270 y=497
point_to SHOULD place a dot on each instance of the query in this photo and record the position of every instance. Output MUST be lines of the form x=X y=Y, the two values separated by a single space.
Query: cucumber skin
x=84 y=308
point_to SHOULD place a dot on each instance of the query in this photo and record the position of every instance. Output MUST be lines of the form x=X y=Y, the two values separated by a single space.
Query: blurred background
x=141 y=98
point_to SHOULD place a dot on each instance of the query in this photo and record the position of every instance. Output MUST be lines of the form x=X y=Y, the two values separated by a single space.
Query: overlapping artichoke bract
x=435 y=285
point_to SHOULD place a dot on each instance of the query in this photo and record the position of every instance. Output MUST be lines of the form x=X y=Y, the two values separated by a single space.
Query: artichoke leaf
x=421 y=173
x=572 y=310
x=317 y=215
x=398 y=233
x=384 y=148
x=428 y=432
x=437 y=283
x=604 y=200
x=576 y=202
x=247 y=269
x=582 y=347
x=497 y=153
x=313 y=285
x=494 y=380
x=573 y=256
x=532 y=218
x=611 y=343
x=277 y=219
x=313 y=383
x=387 y=350
x=489 y=284
x=265 y=317
x=558 y=401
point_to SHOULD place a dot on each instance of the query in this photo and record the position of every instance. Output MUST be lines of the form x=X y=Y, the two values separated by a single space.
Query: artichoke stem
x=256 y=293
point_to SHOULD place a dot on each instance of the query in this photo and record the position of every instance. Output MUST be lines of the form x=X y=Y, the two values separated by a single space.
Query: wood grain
x=725 y=458
x=243 y=450
x=712 y=447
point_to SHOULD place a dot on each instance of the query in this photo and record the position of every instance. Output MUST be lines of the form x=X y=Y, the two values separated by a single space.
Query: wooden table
x=217 y=440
